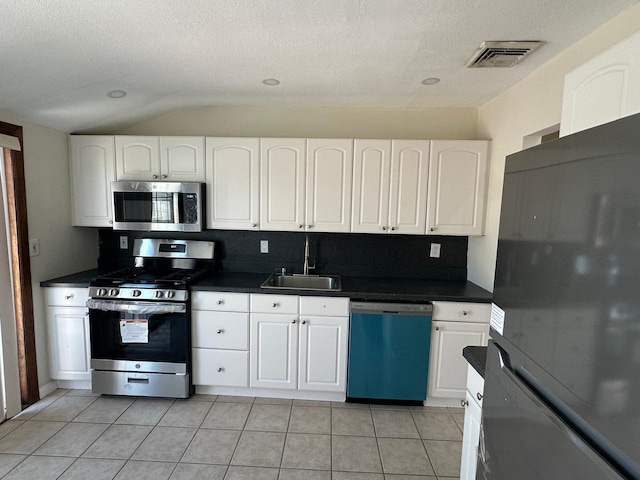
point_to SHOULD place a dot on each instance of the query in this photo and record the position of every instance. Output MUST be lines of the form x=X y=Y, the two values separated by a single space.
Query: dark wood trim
x=21 y=267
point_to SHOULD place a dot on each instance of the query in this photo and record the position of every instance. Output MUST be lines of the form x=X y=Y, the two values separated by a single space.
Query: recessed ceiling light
x=430 y=81
x=272 y=82
x=117 y=94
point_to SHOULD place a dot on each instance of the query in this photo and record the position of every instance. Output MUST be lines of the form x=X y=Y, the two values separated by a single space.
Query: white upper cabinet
x=182 y=159
x=604 y=89
x=457 y=187
x=390 y=186
x=282 y=184
x=93 y=168
x=329 y=169
x=371 y=173
x=233 y=183
x=409 y=182
x=172 y=159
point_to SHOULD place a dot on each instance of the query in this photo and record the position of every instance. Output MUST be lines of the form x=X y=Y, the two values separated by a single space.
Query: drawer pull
x=275 y=305
x=220 y=369
x=464 y=403
x=219 y=331
x=68 y=297
x=220 y=302
x=464 y=312
x=479 y=396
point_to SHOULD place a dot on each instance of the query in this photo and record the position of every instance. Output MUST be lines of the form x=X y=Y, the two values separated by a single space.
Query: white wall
x=426 y=123
x=63 y=249
x=532 y=105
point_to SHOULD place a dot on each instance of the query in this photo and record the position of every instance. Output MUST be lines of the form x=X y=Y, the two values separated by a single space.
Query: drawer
x=324 y=306
x=67 y=297
x=274 y=303
x=475 y=384
x=224 y=330
x=220 y=367
x=462 y=312
x=220 y=301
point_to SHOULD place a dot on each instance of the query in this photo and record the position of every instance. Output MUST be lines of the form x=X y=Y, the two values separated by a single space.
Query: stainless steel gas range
x=140 y=320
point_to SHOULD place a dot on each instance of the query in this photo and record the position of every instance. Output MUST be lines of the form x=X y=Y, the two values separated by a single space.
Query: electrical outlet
x=124 y=242
x=34 y=247
x=264 y=246
x=435 y=250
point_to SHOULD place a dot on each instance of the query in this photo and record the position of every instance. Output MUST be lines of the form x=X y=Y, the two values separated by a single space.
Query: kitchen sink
x=329 y=283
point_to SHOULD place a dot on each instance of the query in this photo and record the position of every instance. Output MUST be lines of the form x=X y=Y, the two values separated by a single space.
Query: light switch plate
x=34 y=247
x=264 y=246
x=435 y=250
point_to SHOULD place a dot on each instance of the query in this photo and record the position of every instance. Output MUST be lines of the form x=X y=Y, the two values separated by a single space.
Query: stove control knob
x=102 y=292
x=159 y=294
x=114 y=292
x=136 y=293
x=170 y=294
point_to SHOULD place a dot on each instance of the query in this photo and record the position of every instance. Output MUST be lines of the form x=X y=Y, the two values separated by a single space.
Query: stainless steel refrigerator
x=562 y=391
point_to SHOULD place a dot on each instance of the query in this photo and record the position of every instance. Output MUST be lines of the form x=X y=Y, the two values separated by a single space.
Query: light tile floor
x=73 y=434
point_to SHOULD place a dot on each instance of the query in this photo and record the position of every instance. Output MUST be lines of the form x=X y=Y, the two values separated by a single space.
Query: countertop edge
x=477 y=358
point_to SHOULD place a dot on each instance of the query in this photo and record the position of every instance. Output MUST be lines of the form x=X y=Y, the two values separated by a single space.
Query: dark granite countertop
x=477 y=358
x=357 y=288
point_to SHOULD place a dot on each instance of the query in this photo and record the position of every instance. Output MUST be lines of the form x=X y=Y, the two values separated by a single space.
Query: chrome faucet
x=306 y=267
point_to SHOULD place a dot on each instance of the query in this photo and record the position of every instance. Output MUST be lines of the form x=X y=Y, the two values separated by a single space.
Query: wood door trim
x=21 y=267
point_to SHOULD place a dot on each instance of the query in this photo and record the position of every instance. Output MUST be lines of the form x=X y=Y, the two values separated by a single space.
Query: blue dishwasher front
x=389 y=351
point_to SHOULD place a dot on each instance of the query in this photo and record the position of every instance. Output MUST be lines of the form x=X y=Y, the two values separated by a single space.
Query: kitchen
x=537 y=99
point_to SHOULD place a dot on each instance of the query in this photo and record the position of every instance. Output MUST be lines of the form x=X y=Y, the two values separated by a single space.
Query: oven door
x=139 y=336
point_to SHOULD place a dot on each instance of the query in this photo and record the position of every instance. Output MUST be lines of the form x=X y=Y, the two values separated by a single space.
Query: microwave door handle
x=177 y=213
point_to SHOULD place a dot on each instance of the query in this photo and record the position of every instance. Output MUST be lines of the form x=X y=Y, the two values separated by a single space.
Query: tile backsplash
x=347 y=254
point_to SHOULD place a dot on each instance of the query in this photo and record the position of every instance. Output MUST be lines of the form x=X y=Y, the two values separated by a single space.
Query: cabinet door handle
x=254 y=225
x=164 y=176
x=309 y=226
x=155 y=176
x=68 y=297
x=384 y=229
x=437 y=328
x=110 y=222
x=479 y=396
x=220 y=302
x=220 y=331
x=220 y=369
x=432 y=229
x=300 y=226
x=393 y=228
x=464 y=403
x=304 y=322
x=293 y=321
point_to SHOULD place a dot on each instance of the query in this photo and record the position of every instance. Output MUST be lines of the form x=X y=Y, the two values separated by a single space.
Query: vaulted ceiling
x=60 y=58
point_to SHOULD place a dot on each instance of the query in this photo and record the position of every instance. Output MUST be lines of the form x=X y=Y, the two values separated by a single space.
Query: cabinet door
x=371 y=173
x=68 y=329
x=137 y=158
x=323 y=353
x=182 y=159
x=282 y=183
x=457 y=187
x=233 y=183
x=273 y=351
x=93 y=168
x=329 y=182
x=409 y=181
x=447 y=366
x=470 y=438
x=603 y=89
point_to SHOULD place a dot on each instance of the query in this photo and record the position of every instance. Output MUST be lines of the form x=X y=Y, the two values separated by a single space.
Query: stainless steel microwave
x=158 y=206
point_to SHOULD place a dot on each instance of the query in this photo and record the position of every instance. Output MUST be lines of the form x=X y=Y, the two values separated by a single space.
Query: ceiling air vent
x=501 y=54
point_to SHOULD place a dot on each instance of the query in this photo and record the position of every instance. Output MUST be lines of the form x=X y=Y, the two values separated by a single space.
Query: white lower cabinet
x=472 y=419
x=68 y=331
x=466 y=324
x=220 y=339
x=301 y=350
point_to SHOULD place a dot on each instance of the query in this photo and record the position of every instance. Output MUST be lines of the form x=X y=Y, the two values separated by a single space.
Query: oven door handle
x=136 y=308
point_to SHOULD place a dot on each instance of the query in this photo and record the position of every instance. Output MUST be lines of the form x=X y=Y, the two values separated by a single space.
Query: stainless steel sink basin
x=303 y=282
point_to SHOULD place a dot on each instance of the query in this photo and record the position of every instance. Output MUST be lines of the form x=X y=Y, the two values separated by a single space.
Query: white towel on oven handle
x=137 y=308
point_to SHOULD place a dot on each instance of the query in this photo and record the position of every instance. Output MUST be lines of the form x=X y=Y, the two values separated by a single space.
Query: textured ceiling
x=61 y=57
